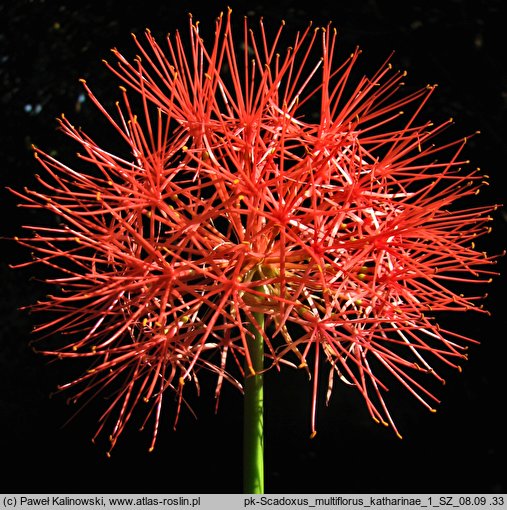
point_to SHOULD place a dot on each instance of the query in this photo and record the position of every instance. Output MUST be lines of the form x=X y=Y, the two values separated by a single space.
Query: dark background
x=45 y=47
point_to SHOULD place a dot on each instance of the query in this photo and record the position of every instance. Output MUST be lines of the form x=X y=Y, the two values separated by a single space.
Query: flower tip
x=313 y=434
x=150 y=449
x=399 y=436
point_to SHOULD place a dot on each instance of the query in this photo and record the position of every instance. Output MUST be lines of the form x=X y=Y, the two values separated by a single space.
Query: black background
x=45 y=47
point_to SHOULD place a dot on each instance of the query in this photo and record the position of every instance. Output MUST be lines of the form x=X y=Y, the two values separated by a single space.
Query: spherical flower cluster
x=256 y=183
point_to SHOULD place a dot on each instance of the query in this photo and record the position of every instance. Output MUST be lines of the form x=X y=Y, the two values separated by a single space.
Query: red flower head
x=257 y=184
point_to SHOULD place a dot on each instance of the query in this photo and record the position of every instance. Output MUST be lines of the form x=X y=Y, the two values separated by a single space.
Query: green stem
x=253 y=416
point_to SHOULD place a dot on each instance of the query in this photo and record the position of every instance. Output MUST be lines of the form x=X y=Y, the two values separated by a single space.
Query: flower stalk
x=253 y=416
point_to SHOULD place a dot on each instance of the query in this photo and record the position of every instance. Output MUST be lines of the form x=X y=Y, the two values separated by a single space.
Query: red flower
x=258 y=182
